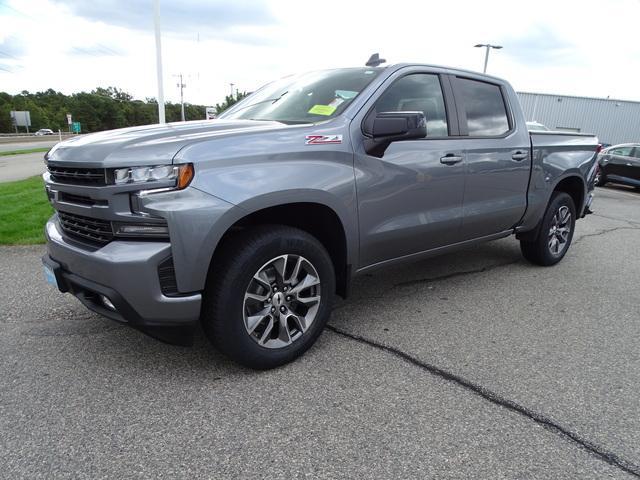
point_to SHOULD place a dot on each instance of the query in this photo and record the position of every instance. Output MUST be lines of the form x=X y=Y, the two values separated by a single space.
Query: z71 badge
x=322 y=139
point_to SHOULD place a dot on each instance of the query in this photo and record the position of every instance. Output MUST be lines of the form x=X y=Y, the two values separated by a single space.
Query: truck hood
x=147 y=145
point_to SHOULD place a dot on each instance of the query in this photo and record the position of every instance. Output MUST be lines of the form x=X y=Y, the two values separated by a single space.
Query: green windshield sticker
x=322 y=109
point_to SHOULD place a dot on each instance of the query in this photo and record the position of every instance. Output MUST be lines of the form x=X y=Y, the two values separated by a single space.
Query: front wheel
x=556 y=232
x=601 y=178
x=269 y=296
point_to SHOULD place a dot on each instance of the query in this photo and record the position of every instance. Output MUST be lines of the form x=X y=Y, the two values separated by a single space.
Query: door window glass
x=484 y=106
x=419 y=92
x=622 y=151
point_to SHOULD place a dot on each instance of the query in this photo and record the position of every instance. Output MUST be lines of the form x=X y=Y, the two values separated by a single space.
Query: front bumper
x=126 y=272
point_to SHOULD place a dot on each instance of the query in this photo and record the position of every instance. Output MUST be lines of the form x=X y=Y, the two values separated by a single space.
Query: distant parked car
x=619 y=164
x=44 y=131
x=535 y=126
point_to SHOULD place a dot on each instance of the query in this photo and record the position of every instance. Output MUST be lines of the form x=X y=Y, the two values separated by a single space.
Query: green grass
x=28 y=150
x=24 y=209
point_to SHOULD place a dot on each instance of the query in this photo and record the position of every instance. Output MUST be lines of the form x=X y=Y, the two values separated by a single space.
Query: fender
x=524 y=233
x=274 y=199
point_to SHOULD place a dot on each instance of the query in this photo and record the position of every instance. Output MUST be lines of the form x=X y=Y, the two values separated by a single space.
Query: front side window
x=307 y=98
x=622 y=151
x=484 y=107
x=418 y=92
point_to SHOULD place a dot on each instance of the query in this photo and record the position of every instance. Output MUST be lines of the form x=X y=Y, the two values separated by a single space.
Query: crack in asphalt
x=625 y=220
x=447 y=276
x=486 y=268
x=546 y=422
x=493 y=397
x=602 y=232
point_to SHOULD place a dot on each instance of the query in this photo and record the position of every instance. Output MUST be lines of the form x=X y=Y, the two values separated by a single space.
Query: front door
x=410 y=198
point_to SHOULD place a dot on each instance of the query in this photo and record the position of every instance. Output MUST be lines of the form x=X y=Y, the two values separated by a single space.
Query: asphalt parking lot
x=471 y=365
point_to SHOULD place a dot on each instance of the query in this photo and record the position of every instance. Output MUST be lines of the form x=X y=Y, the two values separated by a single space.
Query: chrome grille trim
x=93 y=229
x=78 y=176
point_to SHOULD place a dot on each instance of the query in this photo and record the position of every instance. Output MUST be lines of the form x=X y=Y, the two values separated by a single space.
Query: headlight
x=181 y=174
x=141 y=229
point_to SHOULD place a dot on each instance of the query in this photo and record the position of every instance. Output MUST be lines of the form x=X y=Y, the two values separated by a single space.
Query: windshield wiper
x=286 y=122
x=273 y=100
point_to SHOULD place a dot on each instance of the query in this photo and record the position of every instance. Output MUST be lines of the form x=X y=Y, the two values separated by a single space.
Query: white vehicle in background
x=535 y=126
x=44 y=131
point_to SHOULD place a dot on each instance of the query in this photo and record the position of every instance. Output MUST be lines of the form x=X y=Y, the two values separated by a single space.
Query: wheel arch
x=574 y=186
x=316 y=218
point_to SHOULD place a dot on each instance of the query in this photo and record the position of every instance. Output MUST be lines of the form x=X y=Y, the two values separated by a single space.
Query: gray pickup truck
x=250 y=223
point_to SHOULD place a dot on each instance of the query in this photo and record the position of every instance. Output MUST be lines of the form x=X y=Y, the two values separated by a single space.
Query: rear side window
x=484 y=107
x=417 y=92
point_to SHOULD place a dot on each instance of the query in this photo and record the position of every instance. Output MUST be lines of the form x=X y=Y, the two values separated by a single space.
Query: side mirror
x=387 y=127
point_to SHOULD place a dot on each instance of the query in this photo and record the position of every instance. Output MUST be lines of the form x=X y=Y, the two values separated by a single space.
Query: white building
x=613 y=121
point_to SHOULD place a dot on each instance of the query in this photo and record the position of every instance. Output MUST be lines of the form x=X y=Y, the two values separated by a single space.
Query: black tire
x=241 y=257
x=601 y=179
x=539 y=251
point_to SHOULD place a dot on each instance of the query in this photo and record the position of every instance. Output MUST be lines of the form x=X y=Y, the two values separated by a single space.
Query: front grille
x=167 y=277
x=78 y=176
x=80 y=199
x=93 y=229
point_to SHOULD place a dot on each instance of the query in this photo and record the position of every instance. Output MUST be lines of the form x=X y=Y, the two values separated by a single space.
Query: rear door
x=497 y=157
x=634 y=168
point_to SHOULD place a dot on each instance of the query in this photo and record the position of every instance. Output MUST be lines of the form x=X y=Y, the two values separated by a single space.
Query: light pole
x=488 y=46
x=156 y=21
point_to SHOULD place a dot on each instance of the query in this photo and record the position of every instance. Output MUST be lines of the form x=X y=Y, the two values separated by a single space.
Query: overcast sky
x=587 y=48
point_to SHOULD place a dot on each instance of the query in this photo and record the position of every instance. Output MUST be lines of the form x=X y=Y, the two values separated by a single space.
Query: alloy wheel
x=281 y=301
x=560 y=230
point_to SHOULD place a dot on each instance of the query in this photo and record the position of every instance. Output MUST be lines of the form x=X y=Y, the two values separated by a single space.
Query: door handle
x=450 y=159
x=519 y=155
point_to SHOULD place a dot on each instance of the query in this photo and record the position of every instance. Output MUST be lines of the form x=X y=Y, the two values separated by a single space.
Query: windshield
x=307 y=98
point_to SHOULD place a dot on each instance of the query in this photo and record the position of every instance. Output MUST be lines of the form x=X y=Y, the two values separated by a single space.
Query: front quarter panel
x=266 y=169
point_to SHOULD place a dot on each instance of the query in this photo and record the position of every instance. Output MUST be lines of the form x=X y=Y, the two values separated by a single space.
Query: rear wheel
x=269 y=296
x=556 y=232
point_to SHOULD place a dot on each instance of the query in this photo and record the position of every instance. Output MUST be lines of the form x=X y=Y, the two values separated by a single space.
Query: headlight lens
x=182 y=174
x=121 y=175
x=141 y=229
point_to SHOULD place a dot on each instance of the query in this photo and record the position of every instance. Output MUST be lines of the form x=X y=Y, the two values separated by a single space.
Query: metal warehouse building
x=613 y=121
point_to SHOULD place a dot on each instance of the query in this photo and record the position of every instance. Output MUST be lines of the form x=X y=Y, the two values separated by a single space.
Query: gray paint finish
x=403 y=204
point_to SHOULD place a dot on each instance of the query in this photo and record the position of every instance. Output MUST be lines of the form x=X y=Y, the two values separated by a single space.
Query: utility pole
x=181 y=85
x=488 y=46
x=232 y=84
x=156 y=21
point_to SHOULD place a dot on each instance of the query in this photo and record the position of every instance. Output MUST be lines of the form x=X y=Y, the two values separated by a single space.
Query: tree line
x=100 y=109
